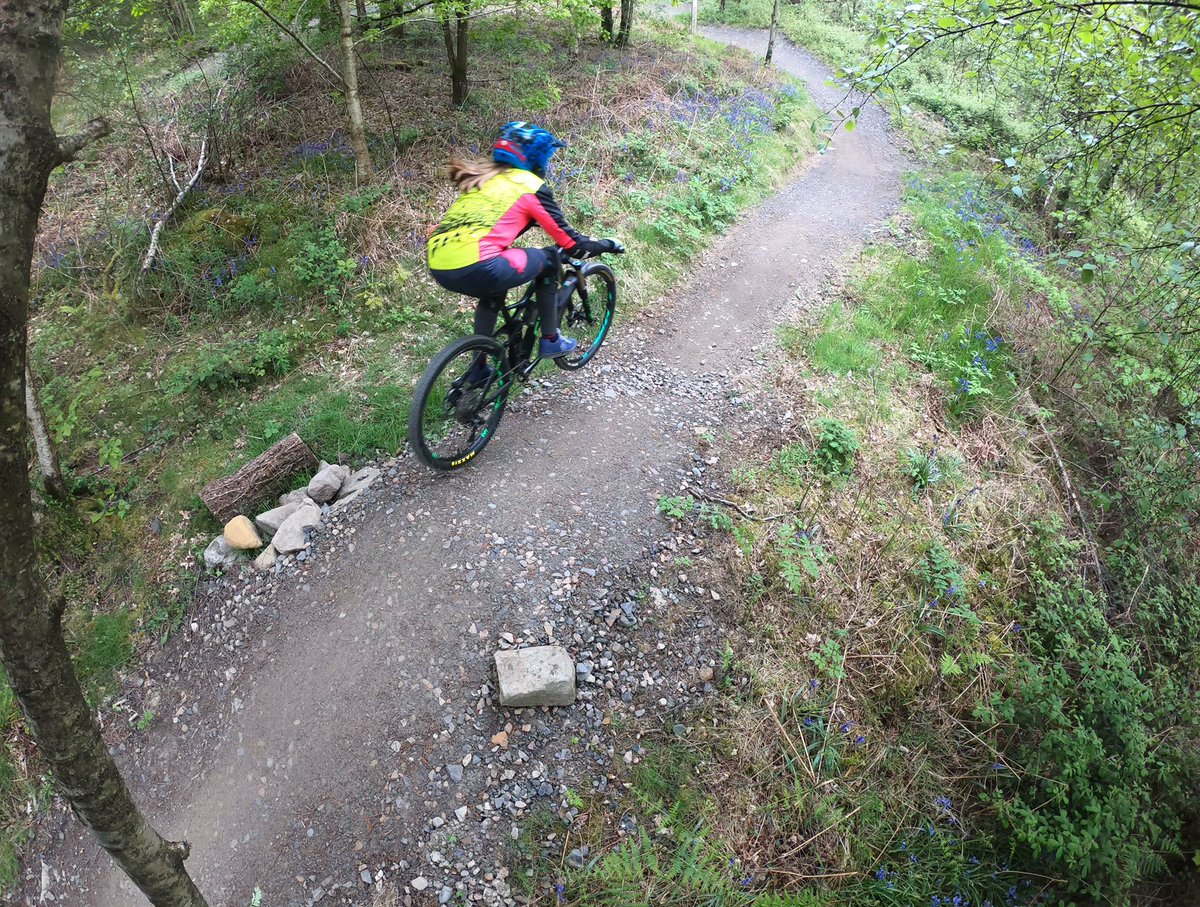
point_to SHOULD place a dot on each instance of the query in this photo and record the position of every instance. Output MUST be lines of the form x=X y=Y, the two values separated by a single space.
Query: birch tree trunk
x=32 y=648
x=695 y=13
x=771 y=37
x=364 y=170
x=47 y=455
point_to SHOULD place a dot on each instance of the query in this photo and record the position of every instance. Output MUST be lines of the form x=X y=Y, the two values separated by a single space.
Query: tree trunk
x=47 y=455
x=722 y=9
x=231 y=495
x=32 y=648
x=180 y=18
x=695 y=14
x=363 y=168
x=456 y=38
x=771 y=37
x=626 y=23
x=360 y=7
x=606 y=21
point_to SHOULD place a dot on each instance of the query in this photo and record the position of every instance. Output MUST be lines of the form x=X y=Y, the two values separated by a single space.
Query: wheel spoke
x=461 y=402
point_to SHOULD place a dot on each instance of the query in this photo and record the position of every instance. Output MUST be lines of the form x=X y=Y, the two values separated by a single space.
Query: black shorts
x=491 y=279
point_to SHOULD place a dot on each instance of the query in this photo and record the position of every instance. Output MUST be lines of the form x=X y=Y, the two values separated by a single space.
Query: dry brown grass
x=779 y=811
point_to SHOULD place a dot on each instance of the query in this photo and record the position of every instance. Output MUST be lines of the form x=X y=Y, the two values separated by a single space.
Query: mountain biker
x=471 y=251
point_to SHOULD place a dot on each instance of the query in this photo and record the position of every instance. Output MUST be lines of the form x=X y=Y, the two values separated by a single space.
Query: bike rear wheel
x=588 y=314
x=458 y=403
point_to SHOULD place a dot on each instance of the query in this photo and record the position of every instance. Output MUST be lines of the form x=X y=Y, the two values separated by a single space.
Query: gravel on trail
x=329 y=728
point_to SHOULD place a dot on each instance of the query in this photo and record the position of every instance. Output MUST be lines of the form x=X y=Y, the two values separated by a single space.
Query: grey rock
x=219 y=554
x=445 y=895
x=346 y=501
x=327 y=483
x=454 y=770
x=299 y=496
x=541 y=675
x=266 y=560
x=358 y=482
x=270 y=521
x=290 y=535
x=578 y=857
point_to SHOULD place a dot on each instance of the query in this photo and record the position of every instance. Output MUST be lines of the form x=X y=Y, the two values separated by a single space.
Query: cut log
x=236 y=494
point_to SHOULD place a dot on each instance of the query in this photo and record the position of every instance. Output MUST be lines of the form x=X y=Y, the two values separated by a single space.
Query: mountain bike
x=462 y=395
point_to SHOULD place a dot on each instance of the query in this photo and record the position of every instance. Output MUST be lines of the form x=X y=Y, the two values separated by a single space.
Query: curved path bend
x=277 y=765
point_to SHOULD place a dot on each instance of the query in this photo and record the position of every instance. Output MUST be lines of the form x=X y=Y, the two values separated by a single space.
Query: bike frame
x=519 y=321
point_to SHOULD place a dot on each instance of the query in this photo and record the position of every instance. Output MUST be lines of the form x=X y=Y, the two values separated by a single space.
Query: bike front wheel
x=458 y=403
x=588 y=314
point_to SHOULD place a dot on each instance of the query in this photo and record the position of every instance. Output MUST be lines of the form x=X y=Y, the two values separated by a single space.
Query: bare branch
x=162 y=221
x=296 y=37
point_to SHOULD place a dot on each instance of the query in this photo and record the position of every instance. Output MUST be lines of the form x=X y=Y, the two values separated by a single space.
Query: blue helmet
x=525 y=146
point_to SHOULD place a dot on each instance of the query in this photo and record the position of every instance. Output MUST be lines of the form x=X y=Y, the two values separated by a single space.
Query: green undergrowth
x=978 y=116
x=937 y=701
x=286 y=299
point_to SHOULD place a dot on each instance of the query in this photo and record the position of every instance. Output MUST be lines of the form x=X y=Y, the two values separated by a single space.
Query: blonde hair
x=468 y=175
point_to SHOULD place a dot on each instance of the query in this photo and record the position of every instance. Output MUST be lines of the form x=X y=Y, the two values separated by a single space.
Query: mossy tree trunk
x=364 y=169
x=626 y=25
x=32 y=648
x=456 y=26
x=606 y=21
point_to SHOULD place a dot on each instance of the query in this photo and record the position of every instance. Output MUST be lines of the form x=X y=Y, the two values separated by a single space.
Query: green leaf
x=1018 y=191
x=849 y=125
x=947 y=22
x=1087 y=273
x=1010 y=162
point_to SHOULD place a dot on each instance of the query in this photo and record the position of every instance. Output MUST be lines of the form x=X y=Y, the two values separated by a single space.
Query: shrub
x=837 y=447
x=1104 y=738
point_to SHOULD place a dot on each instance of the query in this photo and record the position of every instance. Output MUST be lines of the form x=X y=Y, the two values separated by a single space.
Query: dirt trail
x=353 y=677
